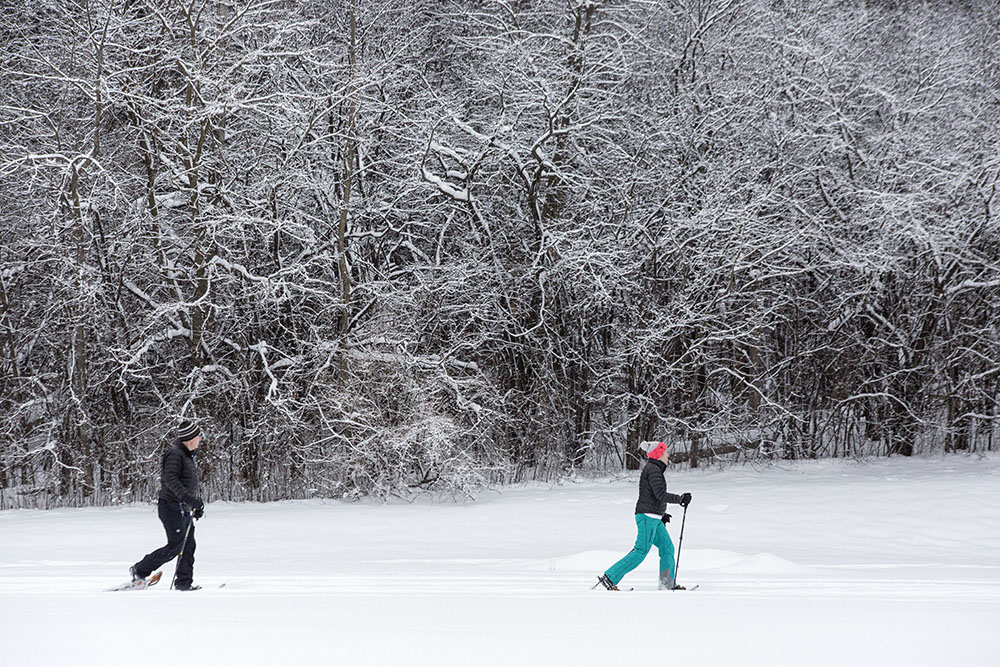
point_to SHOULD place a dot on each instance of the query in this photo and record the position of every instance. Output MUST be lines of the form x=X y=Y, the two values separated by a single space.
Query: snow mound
x=585 y=561
x=738 y=563
x=712 y=559
x=766 y=563
x=718 y=508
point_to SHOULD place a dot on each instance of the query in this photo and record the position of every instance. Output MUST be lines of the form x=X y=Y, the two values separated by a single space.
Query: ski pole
x=680 y=543
x=184 y=544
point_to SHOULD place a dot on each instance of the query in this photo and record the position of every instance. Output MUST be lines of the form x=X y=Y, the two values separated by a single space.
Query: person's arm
x=658 y=485
x=170 y=477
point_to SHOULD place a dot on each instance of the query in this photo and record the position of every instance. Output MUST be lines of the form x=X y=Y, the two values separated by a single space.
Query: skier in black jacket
x=178 y=506
x=651 y=521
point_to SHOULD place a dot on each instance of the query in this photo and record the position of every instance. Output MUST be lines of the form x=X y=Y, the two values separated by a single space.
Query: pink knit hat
x=654 y=448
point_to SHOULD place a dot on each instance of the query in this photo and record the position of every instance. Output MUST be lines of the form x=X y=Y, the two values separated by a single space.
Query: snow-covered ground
x=828 y=563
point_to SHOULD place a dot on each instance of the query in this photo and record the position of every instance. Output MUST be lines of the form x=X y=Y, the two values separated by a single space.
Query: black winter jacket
x=653 y=495
x=179 y=478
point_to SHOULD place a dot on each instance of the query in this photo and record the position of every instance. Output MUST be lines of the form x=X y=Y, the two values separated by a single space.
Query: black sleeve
x=673 y=498
x=170 y=478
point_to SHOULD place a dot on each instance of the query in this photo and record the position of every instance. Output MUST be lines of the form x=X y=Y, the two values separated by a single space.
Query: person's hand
x=665 y=519
x=198 y=508
x=192 y=506
x=685 y=500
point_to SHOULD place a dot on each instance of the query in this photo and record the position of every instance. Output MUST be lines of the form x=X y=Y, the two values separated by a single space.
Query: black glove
x=193 y=507
x=665 y=519
x=685 y=500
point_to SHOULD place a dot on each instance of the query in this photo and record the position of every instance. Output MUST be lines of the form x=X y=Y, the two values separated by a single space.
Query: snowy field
x=830 y=563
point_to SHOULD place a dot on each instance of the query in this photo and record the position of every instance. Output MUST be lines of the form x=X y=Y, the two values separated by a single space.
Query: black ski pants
x=175 y=523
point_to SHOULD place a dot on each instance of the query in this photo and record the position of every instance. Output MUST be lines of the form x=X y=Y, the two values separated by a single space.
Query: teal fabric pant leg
x=649 y=532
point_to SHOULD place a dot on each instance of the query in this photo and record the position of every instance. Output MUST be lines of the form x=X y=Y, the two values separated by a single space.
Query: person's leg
x=643 y=539
x=665 y=546
x=173 y=525
x=185 y=566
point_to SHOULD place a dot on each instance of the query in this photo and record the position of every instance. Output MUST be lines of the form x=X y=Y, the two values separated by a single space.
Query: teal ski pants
x=650 y=531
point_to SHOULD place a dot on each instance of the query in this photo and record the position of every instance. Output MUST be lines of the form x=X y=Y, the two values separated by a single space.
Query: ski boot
x=604 y=581
x=137 y=582
x=667 y=582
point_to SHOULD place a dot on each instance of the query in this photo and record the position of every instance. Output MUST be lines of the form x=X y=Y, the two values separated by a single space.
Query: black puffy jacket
x=179 y=477
x=653 y=495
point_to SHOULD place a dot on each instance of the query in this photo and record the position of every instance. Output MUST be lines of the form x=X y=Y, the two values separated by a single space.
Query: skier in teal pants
x=650 y=521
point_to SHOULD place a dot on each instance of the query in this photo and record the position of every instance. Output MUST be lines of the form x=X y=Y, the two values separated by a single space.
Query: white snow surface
x=892 y=562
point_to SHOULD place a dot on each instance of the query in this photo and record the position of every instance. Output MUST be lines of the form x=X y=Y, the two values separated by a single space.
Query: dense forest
x=391 y=246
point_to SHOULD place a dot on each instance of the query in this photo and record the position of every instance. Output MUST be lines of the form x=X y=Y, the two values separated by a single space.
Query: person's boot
x=604 y=581
x=143 y=582
x=667 y=582
x=187 y=587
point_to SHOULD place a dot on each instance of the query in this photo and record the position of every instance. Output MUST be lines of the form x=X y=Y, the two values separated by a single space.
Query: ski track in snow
x=827 y=563
x=504 y=583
